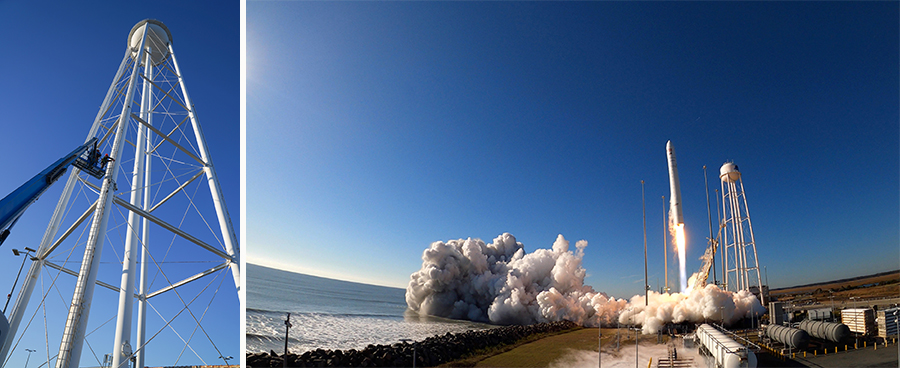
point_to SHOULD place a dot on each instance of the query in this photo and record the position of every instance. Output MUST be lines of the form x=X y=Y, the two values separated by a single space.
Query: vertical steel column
x=142 y=298
x=122 y=347
x=76 y=322
x=736 y=235
x=18 y=310
x=762 y=297
x=228 y=236
x=726 y=246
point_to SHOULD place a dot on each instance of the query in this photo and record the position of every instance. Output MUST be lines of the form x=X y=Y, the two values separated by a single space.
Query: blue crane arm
x=14 y=204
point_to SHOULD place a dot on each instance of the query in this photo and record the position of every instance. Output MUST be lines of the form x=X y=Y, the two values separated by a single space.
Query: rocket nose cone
x=669 y=144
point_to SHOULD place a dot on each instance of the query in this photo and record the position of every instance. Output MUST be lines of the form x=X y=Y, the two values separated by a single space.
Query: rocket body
x=674 y=186
x=676 y=216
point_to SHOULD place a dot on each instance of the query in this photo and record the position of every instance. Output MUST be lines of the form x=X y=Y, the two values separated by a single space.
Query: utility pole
x=287 y=330
x=665 y=244
x=414 y=350
x=709 y=218
x=646 y=280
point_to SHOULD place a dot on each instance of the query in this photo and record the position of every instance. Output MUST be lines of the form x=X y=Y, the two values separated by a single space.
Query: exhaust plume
x=499 y=283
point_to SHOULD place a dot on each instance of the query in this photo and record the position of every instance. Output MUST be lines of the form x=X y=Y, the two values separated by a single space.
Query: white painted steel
x=225 y=226
x=120 y=357
x=726 y=352
x=31 y=278
x=158 y=39
x=729 y=172
x=80 y=308
x=738 y=234
x=123 y=91
x=140 y=346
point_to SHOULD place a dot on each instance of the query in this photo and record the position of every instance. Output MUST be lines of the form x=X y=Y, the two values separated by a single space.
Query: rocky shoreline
x=432 y=351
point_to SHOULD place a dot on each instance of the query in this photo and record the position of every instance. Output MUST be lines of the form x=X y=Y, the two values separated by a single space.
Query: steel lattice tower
x=160 y=181
x=737 y=237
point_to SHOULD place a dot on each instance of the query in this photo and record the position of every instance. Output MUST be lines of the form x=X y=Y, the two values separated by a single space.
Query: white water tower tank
x=729 y=172
x=158 y=39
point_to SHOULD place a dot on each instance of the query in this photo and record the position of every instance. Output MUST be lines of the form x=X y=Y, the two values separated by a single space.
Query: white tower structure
x=739 y=250
x=160 y=181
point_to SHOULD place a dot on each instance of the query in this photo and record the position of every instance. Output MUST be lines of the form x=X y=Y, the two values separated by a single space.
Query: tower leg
x=30 y=280
x=140 y=348
x=225 y=225
x=122 y=347
x=79 y=310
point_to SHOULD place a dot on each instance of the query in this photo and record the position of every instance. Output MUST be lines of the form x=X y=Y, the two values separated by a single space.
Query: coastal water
x=331 y=314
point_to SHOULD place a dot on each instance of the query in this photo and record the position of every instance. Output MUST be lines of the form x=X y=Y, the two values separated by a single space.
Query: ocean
x=332 y=314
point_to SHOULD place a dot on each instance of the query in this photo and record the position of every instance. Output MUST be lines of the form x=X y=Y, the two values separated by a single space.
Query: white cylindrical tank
x=797 y=339
x=158 y=39
x=726 y=352
x=825 y=330
x=729 y=172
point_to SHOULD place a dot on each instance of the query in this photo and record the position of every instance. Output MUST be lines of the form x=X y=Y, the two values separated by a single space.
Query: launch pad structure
x=148 y=123
x=734 y=237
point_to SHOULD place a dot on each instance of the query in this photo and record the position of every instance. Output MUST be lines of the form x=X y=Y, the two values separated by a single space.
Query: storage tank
x=825 y=330
x=726 y=352
x=797 y=339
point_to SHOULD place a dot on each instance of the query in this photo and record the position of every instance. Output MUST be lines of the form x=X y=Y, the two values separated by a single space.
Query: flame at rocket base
x=675 y=214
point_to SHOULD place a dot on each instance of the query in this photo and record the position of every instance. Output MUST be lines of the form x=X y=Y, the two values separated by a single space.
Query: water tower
x=159 y=201
x=740 y=263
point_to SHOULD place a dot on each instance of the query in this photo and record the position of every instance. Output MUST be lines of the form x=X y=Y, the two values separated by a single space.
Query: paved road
x=883 y=357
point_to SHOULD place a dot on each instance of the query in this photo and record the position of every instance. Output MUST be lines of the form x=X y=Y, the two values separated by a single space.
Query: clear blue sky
x=374 y=129
x=58 y=62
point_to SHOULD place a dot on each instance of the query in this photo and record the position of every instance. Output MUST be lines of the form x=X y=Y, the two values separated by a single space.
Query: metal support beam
x=79 y=310
x=68 y=231
x=176 y=191
x=189 y=279
x=73 y=273
x=161 y=134
x=225 y=226
x=18 y=310
x=167 y=226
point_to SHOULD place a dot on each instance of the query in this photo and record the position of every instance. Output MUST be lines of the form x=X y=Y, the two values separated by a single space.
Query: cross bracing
x=155 y=229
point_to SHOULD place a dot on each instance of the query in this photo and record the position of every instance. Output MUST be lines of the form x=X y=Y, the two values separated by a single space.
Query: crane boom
x=86 y=157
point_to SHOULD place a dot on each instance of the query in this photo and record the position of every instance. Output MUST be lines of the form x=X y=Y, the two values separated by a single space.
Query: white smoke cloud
x=501 y=284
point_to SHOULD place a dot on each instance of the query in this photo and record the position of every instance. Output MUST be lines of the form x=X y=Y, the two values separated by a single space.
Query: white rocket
x=674 y=186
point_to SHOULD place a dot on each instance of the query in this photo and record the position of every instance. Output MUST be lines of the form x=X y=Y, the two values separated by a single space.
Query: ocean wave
x=311 y=331
x=318 y=314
